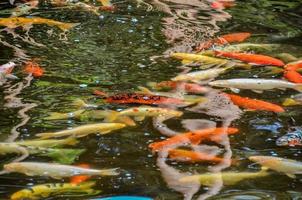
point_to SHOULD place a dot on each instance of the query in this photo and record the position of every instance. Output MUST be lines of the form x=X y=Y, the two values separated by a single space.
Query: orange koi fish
x=293 y=76
x=291 y=73
x=80 y=178
x=254 y=104
x=224 y=39
x=14 y=22
x=188 y=87
x=192 y=156
x=192 y=137
x=33 y=68
x=251 y=58
x=220 y=4
x=129 y=98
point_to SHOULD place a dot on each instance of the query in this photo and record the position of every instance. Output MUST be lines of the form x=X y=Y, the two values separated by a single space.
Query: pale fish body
x=250 y=47
x=55 y=170
x=256 y=84
x=14 y=22
x=45 y=190
x=200 y=75
x=84 y=130
x=198 y=58
x=145 y=111
x=228 y=178
x=58 y=116
x=8 y=148
x=287 y=166
x=47 y=143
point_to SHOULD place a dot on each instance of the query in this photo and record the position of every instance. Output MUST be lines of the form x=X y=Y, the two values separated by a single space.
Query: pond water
x=118 y=51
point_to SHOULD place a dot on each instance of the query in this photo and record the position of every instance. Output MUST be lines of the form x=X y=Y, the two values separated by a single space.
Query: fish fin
x=258 y=91
x=79 y=103
x=235 y=90
x=144 y=90
x=298 y=87
x=111 y=117
x=109 y=172
x=11 y=76
x=290 y=102
x=291 y=175
x=67 y=26
x=139 y=118
x=126 y=120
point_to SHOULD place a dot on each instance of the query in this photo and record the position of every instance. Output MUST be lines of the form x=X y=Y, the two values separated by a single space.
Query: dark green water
x=112 y=53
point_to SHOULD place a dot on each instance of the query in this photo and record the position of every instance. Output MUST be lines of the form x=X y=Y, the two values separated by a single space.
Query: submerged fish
x=254 y=104
x=257 y=85
x=200 y=75
x=188 y=87
x=251 y=58
x=224 y=39
x=287 y=166
x=250 y=47
x=51 y=189
x=194 y=137
x=55 y=170
x=290 y=72
x=81 y=131
x=199 y=58
x=137 y=98
x=14 y=22
x=228 y=178
x=139 y=113
x=33 y=68
x=192 y=156
x=47 y=143
x=290 y=139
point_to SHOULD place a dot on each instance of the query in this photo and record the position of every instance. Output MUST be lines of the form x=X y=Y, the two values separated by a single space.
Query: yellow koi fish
x=287 y=166
x=14 y=22
x=81 y=131
x=56 y=171
x=45 y=190
x=228 y=178
x=139 y=113
x=199 y=58
x=47 y=143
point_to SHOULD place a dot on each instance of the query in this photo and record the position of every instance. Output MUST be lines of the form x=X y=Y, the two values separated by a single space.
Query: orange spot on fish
x=251 y=58
x=80 y=178
x=224 y=39
x=254 y=104
x=31 y=67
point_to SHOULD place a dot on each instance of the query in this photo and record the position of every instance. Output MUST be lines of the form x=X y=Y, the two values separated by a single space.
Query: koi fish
x=290 y=139
x=34 y=69
x=251 y=58
x=80 y=178
x=137 y=98
x=228 y=178
x=254 y=104
x=224 y=39
x=198 y=58
x=14 y=22
x=188 y=87
x=192 y=156
x=287 y=166
x=56 y=171
x=139 y=113
x=200 y=75
x=45 y=190
x=256 y=85
x=293 y=66
x=192 y=137
x=250 y=47
x=292 y=76
x=57 y=115
x=84 y=130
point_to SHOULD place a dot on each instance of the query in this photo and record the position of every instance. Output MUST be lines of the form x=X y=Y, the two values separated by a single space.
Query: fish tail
x=126 y=120
x=68 y=26
x=71 y=141
x=298 y=87
x=112 y=116
x=79 y=103
x=109 y=172
x=55 y=116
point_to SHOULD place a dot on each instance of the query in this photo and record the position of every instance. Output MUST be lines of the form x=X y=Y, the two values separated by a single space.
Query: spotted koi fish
x=290 y=139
